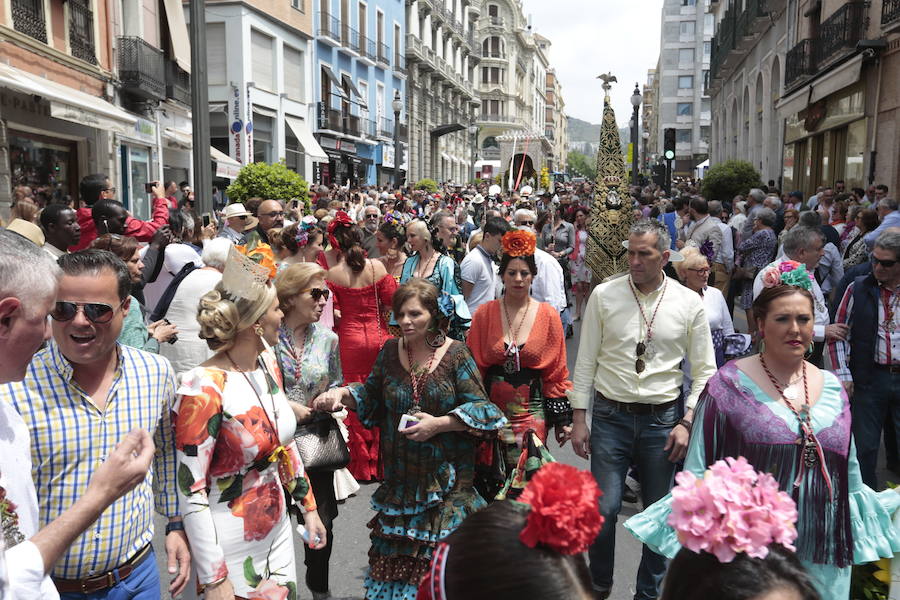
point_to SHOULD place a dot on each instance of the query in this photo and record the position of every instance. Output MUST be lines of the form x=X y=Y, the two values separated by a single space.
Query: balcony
x=890 y=13
x=383 y=53
x=350 y=40
x=737 y=33
x=399 y=64
x=178 y=83
x=837 y=38
x=28 y=18
x=141 y=69
x=81 y=31
x=366 y=50
x=490 y=153
x=385 y=127
x=340 y=122
x=495 y=21
x=414 y=48
x=329 y=29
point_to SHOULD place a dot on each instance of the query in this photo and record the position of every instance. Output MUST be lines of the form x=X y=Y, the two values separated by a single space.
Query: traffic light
x=669 y=143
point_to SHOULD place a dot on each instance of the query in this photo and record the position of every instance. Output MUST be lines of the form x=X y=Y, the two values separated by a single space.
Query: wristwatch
x=174 y=526
x=686 y=424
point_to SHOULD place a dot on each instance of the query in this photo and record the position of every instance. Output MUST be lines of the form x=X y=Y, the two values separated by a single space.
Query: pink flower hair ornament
x=787 y=272
x=733 y=509
x=307 y=224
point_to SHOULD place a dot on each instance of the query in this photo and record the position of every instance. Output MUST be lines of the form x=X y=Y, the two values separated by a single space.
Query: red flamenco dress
x=362 y=331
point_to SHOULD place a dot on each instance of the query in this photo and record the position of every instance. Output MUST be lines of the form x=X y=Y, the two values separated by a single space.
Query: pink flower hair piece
x=733 y=509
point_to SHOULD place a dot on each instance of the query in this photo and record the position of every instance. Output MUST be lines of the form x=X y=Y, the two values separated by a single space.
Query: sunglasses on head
x=887 y=264
x=317 y=293
x=96 y=312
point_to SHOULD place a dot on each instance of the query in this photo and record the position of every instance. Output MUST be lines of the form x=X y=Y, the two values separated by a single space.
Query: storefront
x=384 y=159
x=343 y=166
x=826 y=142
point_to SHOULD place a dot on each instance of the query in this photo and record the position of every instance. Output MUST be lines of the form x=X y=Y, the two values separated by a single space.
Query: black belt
x=104 y=581
x=893 y=369
x=638 y=408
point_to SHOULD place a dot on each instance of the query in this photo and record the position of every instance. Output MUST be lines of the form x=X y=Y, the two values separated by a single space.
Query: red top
x=544 y=350
x=142 y=230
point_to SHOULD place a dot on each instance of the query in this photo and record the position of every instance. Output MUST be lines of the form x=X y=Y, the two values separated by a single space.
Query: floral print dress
x=428 y=487
x=236 y=460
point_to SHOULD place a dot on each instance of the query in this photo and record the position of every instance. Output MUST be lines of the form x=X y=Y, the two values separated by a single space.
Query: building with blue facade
x=359 y=66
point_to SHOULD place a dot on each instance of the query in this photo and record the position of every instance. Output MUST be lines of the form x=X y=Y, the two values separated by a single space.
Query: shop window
x=856 y=148
x=47 y=163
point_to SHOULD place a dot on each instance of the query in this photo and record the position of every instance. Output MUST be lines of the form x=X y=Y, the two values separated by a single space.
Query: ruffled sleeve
x=874 y=535
x=651 y=526
x=482 y=418
x=451 y=283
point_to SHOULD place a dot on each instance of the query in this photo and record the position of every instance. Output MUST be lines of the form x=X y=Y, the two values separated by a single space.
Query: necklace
x=419 y=270
x=811 y=449
x=258 y=397
x=417 y=376
x=890 y=309
x=296 y=393
x=513 y=363
x=644 y=349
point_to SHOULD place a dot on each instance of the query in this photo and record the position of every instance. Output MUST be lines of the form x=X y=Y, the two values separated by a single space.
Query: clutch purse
x=321 y=445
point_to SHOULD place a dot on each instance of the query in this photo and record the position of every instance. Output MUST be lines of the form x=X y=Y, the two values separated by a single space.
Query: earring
x=437 y=340
x=762 y=346
x=258 y=330
x=810 y=349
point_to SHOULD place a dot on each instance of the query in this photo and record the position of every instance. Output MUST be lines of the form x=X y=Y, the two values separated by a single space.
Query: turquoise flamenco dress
x=427 y=488
x=841 y=521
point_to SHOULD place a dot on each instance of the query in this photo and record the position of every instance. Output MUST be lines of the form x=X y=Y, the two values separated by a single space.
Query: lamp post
x=645 y=161
x=397 y=105
x=636 y=103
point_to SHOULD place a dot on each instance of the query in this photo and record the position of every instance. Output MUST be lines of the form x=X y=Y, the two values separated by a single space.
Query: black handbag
x=321 y=445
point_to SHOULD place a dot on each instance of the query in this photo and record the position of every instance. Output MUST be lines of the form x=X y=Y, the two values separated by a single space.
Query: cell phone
x=304 y=534
x=407 y=421
x=206 y=219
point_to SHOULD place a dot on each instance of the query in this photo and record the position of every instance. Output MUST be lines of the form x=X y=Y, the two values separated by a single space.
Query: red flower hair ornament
x=341 y=219
x=565 y=514
x=518 y=242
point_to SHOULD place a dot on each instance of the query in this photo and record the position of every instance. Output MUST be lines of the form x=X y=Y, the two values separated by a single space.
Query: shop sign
x=346 y=147
x=236 y=139
x=12 y=101
x=145 y=130
x=327 y=142
x=387 y=156
x=249 y=128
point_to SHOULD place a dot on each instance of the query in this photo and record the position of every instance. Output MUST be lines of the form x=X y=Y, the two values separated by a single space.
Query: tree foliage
x=582 y=164
x=269 y=181
x=727 y=179
x=429 y=185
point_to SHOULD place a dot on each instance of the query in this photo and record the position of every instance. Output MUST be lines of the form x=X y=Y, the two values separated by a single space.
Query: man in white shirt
x=549 y=284
x=723 y=264
x=28 y=282
x=637 y=330
x=479 y=275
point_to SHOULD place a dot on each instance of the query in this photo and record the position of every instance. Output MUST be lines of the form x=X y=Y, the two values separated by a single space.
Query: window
x=492 y=48
x=363 y=88
x=705 y=131
x=683 y=136
x=298 y=4
x=706 y=79
x=81 y=31
x=28 y=17
x=215 y=53
x=491 y=75
x=685 y=82
x=708 y=23
x=688 y=2
x=379 y=28
x=491 y=109
x=685 y=56
x=705 y=105
x=685 y=109
x=261 y=59
x=687 y=28
x=293 y=73
x=707 y=48
x=493 y=10
x=262 y=138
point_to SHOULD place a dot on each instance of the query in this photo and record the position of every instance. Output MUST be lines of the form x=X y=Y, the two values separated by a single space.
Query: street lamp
x=636 y=103
x=397 y=105
x=646 y=136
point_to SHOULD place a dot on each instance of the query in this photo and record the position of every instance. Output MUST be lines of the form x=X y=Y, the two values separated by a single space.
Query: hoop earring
x=437 y=341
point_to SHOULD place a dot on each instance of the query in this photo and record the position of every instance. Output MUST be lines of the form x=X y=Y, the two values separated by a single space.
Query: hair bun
x=218 y=319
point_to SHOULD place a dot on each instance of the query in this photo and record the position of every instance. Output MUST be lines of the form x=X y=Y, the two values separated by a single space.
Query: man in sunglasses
x=270 y=215
x=78 y=395
x=637 y=330
x=871 y=373
x=237 y=221
x=28 y=281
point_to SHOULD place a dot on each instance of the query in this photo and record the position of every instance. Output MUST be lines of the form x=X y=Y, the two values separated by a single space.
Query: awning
x=348 y=83
x=791 y=105
x=304 y=135
x=837 y=79
x=334 y=81
x=226 y=166
x=178 y=138
x=69 y=104
x=178 y=34
x=265 y=112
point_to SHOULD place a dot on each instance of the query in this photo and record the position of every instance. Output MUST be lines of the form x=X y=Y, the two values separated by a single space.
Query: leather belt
x=98 y=583
x=893 y=369
x=637 y=408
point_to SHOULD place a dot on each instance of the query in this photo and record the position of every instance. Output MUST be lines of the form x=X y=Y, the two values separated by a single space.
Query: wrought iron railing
x=840 y=32
x=383 y=54
x=81 y=31
x=329 y=27
x=799 y=63
x=890 y=11
x=350 y=39
x=141 y=68
x=28 y=18
x=399 y=63
x=385 y=127
x=178 y=83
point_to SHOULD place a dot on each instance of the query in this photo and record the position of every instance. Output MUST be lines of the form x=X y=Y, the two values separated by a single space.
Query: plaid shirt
x=70 y=436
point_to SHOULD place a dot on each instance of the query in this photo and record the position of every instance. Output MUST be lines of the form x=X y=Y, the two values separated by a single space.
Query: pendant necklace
x=513 y=363
x=890 y=310
x=644 y=350
x=416 y=377
x=258 y=397
x=296 y=393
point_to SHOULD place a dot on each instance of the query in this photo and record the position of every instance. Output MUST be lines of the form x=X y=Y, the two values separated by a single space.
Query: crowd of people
x=237 y=370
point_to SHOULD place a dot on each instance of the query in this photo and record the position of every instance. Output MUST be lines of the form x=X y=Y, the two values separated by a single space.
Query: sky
x=590 y=37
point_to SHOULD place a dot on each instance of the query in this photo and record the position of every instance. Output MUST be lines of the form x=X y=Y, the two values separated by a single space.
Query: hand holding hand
x=162 y=330
x=563 y=434
x=301 y=413
x=329 y=401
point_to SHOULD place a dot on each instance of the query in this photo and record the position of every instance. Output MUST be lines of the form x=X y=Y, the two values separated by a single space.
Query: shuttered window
x=293 y=73
x=262 y=59
x=215 y=53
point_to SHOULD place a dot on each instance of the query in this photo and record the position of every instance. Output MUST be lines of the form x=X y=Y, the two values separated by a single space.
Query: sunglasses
x=639 y=363
x=96 y=312
x=317 y=293
x=887 y=264
x=272 y=214
x=527 y=222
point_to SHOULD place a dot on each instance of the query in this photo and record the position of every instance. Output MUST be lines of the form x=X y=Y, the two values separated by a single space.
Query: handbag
x=321 y=445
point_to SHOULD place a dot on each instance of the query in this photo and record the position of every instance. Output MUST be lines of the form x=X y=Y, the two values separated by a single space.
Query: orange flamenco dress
x=362 y=331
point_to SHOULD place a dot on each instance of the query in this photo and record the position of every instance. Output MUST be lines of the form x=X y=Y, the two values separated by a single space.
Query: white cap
x=236 y=209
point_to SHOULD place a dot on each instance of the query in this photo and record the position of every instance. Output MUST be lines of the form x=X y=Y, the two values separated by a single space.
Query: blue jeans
x=142 y=584
x=874 y=401
x=620 y=439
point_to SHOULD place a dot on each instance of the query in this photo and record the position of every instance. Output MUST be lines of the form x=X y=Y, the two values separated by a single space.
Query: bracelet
x=174 y=526
x=686 y=424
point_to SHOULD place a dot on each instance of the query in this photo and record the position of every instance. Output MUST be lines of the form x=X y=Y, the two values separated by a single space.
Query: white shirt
x=478 y=269
x=24 y=564
x=726 y=252
x=549 y=284
x=821 y=308
x=611 y=329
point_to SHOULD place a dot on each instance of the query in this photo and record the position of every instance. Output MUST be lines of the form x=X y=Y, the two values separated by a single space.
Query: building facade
x=682 y=73
x=556 y=128
x=359 y=70
x=89 y=86
x=442 y=57
x=649 y=125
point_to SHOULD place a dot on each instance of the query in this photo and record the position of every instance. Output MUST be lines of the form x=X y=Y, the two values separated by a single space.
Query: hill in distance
x=582 y=131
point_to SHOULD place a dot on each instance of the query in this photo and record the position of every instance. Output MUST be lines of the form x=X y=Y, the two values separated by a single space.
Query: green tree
x=727 y=179
x=582 y=164
x=429 y=185
x=269 y=181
